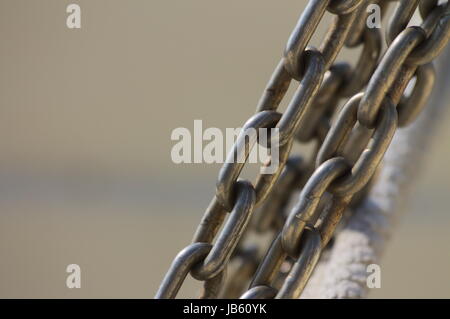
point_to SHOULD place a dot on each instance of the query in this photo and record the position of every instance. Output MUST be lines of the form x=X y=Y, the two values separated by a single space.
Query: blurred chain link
x=350 y=143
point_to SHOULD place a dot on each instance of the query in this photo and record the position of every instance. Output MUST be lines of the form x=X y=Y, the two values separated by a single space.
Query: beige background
x=85 y=123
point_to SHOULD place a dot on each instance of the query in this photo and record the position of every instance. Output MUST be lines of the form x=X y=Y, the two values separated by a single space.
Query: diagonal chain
x=350 y=143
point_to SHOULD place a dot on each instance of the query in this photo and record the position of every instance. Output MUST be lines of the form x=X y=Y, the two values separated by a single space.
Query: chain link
x=350 y=143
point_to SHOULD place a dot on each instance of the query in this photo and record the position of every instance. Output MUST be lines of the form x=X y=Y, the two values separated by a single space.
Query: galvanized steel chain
x=350 y=144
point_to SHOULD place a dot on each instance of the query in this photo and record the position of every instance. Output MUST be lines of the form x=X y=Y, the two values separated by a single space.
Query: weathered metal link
x=324 y=103
x=410 y=107
x=404 y=76
x=303 y=97
x=230 y=234
x=333 y=41
x=336 y=36
x=300 y=36
x=332 y=217
x=212 y=287
x=432 y=20
x=298 y=277
x=265 y=182
x=343 y=6
x=400 y=19
x=354 y=37
x=426 y=6
x=211 y=222
x=246 y=262
x=436 y=42
x=264 y=219
x=406 y=49
x=237 y=157
x=369 y=160
x=260 y=292
x=181 y=266
x=367 y=62
x=306 y=212
x=333 y=80
x=270 y=265
x=275 y=89
x=339 y=134
x=386 y=73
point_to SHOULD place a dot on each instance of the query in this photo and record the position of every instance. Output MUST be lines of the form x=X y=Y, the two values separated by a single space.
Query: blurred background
x=85 y=121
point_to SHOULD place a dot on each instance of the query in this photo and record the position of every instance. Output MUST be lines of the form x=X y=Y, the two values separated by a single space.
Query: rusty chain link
x=350 y=143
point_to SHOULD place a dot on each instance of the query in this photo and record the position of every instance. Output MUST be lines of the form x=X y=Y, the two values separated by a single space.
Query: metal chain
x=350 y=144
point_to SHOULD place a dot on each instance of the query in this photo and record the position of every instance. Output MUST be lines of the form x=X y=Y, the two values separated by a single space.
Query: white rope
x=342 y=272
